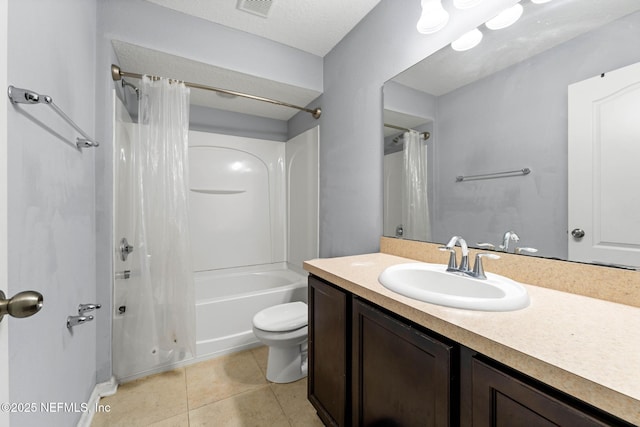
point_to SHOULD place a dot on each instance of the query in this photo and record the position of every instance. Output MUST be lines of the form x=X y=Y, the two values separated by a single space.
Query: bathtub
x=227 y=300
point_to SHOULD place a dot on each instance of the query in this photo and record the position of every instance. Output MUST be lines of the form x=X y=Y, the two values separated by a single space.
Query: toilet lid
x=283 y=317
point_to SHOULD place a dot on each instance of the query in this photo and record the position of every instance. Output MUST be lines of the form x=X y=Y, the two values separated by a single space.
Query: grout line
x=186 y=392
x=284 y=412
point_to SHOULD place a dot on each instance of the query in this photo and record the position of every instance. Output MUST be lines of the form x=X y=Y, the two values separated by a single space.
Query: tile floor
x=227 y=391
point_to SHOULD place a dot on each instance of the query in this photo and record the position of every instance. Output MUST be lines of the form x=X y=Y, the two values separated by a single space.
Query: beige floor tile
x=257 y=408
x=223 y=377
x=291 y=395
x=145 y=401
x=293 y=400
x=227 y=391
x=261 y=355
x=181 y=420
x=305 y=419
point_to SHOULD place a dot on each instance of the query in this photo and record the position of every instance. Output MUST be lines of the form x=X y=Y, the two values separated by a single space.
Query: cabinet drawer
x=500 y=399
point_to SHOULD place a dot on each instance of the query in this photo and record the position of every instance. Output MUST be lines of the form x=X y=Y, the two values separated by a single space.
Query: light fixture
x=467 y=41
x=505 y=18
x=466 y=4
x=433 y=17
x=540 y=1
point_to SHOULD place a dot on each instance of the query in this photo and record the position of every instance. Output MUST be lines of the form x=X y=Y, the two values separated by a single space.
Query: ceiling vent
x=255 y=7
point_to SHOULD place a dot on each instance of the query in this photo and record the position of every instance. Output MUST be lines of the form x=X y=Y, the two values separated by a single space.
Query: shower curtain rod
x=117 y=74
x=424 y=135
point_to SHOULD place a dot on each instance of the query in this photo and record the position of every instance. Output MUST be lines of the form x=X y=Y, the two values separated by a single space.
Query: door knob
x=23 y=304
x=577 y=233
x=125 y=249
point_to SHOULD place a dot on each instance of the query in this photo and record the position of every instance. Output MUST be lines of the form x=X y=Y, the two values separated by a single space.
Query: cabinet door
x=401 y=377
x=502 y=400
x=328 y=346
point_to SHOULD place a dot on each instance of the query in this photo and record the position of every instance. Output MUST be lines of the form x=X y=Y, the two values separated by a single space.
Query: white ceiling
x=314 y=26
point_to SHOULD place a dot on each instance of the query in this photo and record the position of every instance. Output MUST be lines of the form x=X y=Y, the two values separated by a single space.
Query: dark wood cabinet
x=500 y=399
x=401 y=376
x=329 y=352
x=369 y=367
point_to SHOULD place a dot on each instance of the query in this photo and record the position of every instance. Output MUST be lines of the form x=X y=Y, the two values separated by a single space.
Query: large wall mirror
x=510 y=123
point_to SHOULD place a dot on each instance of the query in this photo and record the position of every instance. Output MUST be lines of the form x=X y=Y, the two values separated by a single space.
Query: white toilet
x=283 y=328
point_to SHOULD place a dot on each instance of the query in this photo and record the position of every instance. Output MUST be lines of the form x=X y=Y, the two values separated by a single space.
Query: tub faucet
x=464 y=259
x=508 y=236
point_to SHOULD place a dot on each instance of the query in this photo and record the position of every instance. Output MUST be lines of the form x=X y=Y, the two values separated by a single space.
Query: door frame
x=4 y=328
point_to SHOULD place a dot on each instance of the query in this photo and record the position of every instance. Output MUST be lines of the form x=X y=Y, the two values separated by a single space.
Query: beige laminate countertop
x=586 y=347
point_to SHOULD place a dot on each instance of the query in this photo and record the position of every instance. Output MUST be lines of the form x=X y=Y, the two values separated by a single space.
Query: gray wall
x=205 y=119
x=518 y=118
x=304 y=121
x=383 y=44
x=406 y=100
x=230 y=123
x=51 y=202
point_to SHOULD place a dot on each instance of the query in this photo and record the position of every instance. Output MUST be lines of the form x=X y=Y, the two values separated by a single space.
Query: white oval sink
x=432 y=283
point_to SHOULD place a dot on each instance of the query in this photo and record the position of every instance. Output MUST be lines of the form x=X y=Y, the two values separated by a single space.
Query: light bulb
x=433 y=17
x=505 y=18
x=466 y=4
x=467 y=41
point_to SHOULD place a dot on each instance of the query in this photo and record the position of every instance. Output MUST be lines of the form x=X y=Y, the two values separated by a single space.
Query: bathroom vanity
x=379 y=358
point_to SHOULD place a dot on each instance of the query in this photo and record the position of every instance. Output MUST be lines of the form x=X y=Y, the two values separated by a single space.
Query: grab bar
x=523 y=171
x=25 y=96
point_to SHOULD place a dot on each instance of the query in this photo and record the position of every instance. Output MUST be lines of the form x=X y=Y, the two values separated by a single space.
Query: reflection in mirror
x=503 y=106
x=406 y=208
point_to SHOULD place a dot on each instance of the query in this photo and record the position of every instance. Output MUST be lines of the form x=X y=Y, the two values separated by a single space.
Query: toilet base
x=287 y=364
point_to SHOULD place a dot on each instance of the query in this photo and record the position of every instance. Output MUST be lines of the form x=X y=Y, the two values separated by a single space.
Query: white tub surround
x=582 y=346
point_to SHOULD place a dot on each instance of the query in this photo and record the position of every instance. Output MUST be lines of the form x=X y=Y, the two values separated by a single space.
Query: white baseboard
x=107 y=388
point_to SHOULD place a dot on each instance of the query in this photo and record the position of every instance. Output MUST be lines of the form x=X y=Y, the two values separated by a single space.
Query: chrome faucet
x=464 y=259
x=508 y=236
x=478 y=270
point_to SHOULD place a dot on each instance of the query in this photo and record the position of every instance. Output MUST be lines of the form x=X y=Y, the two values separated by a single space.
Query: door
x=329 y=340
x=400 y=376
x=603 y=170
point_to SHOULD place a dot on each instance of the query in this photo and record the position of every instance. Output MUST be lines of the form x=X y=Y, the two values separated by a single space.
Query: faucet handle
x=484 y=245
x=83 y=308
x=453 y=264
x=478 y=269
x=525 y=250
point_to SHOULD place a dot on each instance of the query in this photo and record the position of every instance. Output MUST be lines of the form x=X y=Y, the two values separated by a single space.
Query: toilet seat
x=282 y=317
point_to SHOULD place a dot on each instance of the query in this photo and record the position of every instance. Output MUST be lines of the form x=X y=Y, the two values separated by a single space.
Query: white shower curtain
x=415 y=202
x=160 y=309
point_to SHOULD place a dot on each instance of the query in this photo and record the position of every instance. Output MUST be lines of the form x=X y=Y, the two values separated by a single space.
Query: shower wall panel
x=302 y=197
x=236 y=201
